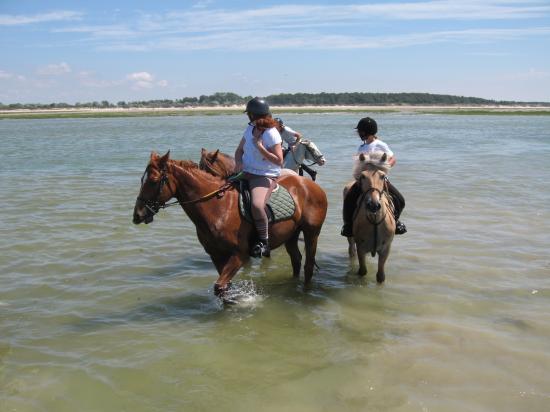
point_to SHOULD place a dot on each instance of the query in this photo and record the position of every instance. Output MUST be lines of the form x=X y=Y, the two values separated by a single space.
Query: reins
x=376 y=224
x=154 y=205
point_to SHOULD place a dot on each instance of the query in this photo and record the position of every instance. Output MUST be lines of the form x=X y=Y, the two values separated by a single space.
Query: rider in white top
x=367 y=129
x=261 y=156
x=375 y=146
x=289 y=136
x=254 y=161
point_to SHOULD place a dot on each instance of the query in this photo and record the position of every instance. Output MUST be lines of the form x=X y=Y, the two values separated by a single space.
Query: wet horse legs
x=227 y=267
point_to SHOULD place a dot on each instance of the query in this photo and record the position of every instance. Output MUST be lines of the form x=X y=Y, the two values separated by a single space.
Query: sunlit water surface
x=97 y=314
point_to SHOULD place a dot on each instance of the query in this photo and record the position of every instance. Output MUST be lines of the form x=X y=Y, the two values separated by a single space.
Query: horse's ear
x=362 y=157
x=154 y=156
x=165 y=158
x=384 y=158
x=215 y=155
x=203 y=152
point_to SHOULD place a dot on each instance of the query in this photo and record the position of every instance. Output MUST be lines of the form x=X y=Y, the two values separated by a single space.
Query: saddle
x=280 y=206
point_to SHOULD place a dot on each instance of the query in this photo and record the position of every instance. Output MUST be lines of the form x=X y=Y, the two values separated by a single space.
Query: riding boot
x=310 y=171
x=400 y=228
x=261 y=249
x=349 y=209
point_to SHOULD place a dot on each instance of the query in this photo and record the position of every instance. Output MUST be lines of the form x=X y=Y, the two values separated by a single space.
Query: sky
x=72 y=51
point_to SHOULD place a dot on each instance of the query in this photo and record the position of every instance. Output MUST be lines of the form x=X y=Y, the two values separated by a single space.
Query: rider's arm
x=274 y=154
x=239 y=155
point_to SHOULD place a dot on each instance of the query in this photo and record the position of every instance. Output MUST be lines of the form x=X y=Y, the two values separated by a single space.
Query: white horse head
x=304 y=150
x=377 y=160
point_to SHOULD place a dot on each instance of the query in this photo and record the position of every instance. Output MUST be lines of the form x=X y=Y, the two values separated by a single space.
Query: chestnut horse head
x=212 y=206
x=155 y=191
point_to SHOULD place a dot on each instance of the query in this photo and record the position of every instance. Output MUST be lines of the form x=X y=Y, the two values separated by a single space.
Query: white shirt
x=253 y=160
x=288 y=135
x=376 y=146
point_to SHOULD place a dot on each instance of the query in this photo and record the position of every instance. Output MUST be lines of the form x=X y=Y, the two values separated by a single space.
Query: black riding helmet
x=368 y=126
x=280 y=121
x=257 y=107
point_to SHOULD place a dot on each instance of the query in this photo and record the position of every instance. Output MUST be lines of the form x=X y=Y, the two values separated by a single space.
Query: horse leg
x=294 y=252
x=351 y=247
x=310 y=240
x=382 y=257
x=362 y=259
x=227 y=267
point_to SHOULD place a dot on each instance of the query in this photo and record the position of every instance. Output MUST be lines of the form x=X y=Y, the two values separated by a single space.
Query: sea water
x=98 y=314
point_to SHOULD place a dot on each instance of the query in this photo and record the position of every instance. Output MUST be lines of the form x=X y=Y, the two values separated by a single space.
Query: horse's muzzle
x=146 y=217
x=373 y=207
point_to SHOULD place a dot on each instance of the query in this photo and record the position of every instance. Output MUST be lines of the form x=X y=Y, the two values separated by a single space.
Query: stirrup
x=260 y=249
x=347 y=231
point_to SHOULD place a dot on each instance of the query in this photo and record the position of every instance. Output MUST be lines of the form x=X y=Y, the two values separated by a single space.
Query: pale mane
x=369 y=161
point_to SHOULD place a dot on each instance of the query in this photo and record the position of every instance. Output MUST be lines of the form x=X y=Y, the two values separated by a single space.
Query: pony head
x=372 y=160
x=313 y=153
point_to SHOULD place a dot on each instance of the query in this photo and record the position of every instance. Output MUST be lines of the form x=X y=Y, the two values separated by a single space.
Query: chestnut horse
x=212 y=205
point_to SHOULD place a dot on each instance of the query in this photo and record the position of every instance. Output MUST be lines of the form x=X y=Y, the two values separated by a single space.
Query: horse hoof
x=380 y=277
x=220 y=290
x=361 y=272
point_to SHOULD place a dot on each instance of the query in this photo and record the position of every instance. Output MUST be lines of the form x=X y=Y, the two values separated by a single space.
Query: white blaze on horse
x=373 y=222
x=302 y=155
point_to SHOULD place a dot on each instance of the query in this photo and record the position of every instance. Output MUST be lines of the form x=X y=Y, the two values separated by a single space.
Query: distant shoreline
x=222 y=110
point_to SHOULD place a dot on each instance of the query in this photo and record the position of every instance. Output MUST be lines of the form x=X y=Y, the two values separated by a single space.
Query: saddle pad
x=279 y=207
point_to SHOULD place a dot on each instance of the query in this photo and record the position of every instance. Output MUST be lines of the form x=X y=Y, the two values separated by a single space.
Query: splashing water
x=244 y=293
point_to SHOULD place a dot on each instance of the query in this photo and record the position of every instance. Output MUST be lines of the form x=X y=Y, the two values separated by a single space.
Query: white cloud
x=144 y=80
x=54 y=69
x=17 y=20
x=140 y=76
x=269 y=40
x=5 y=75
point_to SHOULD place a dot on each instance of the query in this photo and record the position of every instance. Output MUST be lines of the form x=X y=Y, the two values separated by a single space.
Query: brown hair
x=266 y=122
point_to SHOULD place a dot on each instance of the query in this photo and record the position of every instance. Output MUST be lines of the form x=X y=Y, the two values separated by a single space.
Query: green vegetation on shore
x=231 y=103
x=226 y=99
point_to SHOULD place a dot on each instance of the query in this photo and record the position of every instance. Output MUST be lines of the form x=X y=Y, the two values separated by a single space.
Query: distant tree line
x=282 y=99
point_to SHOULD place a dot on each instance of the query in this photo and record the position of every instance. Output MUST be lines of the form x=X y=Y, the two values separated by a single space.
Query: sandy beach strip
x=213 y=110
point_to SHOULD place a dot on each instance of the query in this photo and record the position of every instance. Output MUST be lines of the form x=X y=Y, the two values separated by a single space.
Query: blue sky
x=69 y=51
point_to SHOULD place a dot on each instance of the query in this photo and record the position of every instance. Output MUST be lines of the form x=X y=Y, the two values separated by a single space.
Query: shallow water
x=100 y=314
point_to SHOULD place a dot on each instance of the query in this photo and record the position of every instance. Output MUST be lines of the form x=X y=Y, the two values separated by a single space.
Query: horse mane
x=194 y=169
x=222 y=166
x=370 y=161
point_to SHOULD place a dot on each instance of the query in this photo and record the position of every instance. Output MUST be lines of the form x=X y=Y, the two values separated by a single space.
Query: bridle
x=371 y=217
x=316 y=158
x=154 y=206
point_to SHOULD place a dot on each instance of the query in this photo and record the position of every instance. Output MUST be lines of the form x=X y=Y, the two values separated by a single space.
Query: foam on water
x=244 y=293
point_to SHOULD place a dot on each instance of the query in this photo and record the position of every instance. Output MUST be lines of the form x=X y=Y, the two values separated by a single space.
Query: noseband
x=315 y=158
x=154 y=205
x=381 y=193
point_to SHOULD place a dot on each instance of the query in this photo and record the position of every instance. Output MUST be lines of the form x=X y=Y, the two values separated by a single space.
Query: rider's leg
x=311 y=172
x=348 y=210
x=260 y=191
x=399 y=205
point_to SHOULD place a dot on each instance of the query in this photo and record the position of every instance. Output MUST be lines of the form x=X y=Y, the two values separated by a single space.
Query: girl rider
x=367 y=129
x=260 y=156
